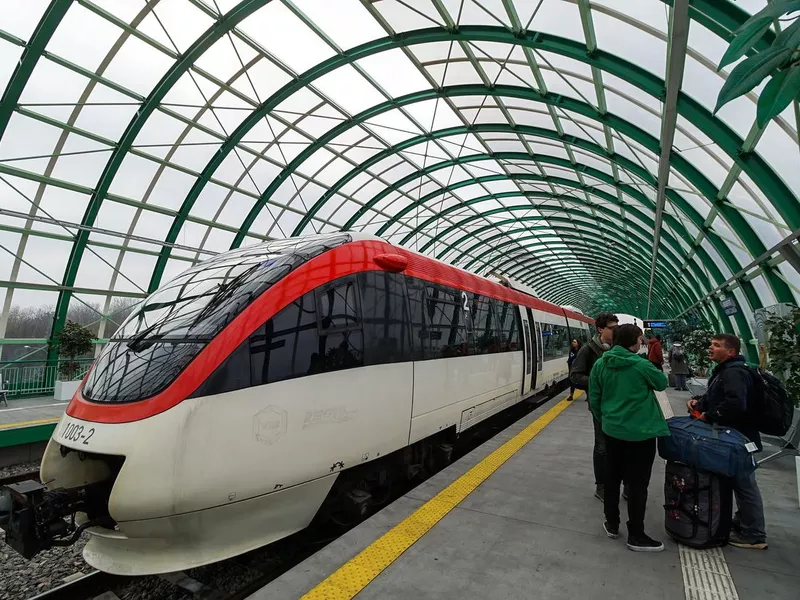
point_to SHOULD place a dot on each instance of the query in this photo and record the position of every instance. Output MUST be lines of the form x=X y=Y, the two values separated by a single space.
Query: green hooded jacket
x=622 y=396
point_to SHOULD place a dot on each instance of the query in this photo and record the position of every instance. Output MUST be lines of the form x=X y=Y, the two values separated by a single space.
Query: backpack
x=677 y=354
x=771 y=407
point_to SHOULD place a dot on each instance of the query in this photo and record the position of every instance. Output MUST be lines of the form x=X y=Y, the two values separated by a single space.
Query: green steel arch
x=772 y=185
x=687 y=275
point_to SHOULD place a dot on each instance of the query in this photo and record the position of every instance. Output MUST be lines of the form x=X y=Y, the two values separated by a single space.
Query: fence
x=25 y=379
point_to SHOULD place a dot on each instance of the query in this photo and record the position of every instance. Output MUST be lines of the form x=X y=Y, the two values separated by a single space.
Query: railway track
x=83 y=587
x=9 y=479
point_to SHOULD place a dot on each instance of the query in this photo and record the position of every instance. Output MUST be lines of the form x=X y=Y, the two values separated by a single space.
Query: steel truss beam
x=688 y=210
x=182 y=65
x=733 y=218
x=676 y=58
x=717 y=16
x=695 y=113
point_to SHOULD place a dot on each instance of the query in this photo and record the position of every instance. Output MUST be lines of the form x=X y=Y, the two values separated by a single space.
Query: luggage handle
x=715 y=429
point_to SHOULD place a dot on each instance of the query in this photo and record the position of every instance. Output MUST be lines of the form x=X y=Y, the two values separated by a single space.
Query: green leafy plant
x=696 y=346
x=73 y=341
x=781 y=61
x=678 y=330
x=783 y=349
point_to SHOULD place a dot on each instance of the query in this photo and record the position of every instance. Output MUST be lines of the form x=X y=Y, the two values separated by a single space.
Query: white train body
x=217 y=463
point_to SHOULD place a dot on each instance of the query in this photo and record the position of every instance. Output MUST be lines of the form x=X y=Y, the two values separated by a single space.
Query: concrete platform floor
x=21 y=412
x=534 y=530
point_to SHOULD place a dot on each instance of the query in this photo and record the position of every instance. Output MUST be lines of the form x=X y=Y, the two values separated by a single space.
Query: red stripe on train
x=339 y=262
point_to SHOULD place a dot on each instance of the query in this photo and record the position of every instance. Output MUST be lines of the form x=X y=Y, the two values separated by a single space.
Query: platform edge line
x=353 y=576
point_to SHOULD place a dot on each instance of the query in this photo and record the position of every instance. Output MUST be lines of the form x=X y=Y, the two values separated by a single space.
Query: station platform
x=25 y=426
x=22 y=412
x=516 y=518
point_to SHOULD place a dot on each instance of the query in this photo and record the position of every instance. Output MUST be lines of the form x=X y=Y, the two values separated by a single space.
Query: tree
x=780 y=62
x=696 y=345
x=784 y=351
x=73 y=341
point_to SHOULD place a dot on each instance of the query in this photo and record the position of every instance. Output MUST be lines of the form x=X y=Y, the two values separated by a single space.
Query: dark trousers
x=599 y=454
x=751 y=509
x=631 y=462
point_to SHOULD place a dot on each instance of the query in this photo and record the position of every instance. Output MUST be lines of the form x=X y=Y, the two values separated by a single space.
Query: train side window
x=338 y=306
x=233 y=374
x=449 y=333
x=547 y=341
x=386 y=323
x=511 y=328
x=483 y=325
x=283 y=347
x=341 y=339
x=420 y=332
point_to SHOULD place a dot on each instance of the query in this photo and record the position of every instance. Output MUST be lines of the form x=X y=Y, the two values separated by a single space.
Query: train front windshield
x=172 y=326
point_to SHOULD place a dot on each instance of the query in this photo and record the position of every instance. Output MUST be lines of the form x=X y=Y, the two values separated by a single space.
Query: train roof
x=430 y=268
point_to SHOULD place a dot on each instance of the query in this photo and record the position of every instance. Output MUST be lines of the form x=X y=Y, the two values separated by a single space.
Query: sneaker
x=644 y=543
x=612 y=531
x=736 y=539
x=600 y=492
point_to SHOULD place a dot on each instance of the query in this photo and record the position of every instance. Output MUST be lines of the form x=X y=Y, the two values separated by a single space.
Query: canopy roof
x=569 y=144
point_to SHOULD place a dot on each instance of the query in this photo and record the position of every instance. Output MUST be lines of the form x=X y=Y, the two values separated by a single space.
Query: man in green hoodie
x=622 y=390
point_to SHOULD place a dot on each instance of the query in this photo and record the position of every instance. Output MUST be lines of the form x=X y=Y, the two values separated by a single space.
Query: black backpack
x=772 y=408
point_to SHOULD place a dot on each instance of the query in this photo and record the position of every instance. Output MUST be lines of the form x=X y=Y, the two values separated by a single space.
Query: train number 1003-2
x=77 y=433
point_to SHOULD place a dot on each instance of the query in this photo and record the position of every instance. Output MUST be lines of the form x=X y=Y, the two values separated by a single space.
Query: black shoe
x=737 y=540
x=599 y=492
x=644 y=543
x=612 y=531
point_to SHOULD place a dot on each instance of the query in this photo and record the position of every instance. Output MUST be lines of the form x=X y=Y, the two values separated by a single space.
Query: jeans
x=631 y=462
x=680 y=381
x=599 y=454
x=750 y=511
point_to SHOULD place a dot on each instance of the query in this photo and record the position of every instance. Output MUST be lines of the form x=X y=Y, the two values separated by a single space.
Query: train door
x=529 y=348
x=536 y=356
x=539 y=345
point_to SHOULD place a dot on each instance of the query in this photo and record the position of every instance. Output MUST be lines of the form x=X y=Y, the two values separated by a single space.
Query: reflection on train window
x=448 y=328
x=283 y=347
x=555 y=341
x=419 y=329
x=341 y=341
x=121 y=375
x=510 y=327
x=386 y=325
x=484 y=325
x=338 y=306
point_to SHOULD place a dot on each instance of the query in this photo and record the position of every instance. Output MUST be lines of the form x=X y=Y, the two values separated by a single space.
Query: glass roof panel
x=231 y=116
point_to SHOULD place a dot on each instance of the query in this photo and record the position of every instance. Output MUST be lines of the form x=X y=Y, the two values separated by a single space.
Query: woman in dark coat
x=678 y=365
x=573 y=352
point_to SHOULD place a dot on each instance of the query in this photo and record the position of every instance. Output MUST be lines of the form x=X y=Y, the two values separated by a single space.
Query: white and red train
x=273 y=382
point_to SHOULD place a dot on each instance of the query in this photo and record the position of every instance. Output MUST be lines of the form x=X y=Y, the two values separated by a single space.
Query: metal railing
x=25 y=379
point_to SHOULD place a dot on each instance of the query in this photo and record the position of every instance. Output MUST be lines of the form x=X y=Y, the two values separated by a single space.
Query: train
x=272 y=384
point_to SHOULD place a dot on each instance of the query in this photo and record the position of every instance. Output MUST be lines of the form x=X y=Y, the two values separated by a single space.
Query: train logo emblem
x=269 y=425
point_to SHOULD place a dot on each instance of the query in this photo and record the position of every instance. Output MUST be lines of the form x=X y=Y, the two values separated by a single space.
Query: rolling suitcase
x=698 y=506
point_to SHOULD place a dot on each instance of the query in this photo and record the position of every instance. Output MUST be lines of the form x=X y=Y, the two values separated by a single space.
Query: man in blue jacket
x=728 y=401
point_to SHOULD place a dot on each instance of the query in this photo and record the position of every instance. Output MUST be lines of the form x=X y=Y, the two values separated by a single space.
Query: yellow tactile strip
x=28 y=423
x=356 y=574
